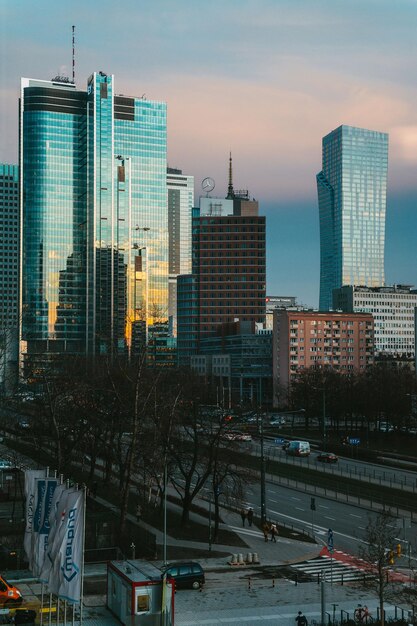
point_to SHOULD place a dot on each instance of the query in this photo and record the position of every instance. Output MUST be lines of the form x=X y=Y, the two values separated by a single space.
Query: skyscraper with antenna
x=94 y=218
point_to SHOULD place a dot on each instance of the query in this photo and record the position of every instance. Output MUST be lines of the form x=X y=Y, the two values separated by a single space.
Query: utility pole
x=261 y=433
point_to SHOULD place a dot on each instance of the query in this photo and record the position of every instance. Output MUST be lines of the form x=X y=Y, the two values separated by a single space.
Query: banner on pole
x=30 y=495
x=45 y=488
x=55 y=520
x=67 y=553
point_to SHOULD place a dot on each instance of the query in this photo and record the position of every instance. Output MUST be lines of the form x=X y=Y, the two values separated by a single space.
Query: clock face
x=208 y=184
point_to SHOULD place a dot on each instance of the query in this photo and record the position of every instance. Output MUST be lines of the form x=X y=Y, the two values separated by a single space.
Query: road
x=348 y=522
x=398 y=478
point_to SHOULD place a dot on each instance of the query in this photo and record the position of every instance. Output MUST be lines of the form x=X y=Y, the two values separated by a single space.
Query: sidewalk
x=284 y=551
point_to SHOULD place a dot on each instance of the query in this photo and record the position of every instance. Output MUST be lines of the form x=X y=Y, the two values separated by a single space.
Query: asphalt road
x=348 y=522
x=381 y=474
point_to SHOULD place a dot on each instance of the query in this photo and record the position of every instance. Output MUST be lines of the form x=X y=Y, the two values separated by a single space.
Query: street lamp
x=323 y=390
x=263 y=490
x=261 y=434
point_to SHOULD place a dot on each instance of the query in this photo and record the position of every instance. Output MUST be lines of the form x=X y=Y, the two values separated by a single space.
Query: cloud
x=404 y=143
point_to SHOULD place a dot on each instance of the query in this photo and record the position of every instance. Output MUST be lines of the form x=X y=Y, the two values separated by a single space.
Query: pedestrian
x=250 y=516
x=138 y=513
x=265 y=530
x=243 y=516
x=301 y=619
x=274 y=532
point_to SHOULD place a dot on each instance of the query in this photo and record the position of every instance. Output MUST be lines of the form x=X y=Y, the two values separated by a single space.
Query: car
x=277 y=420
x=242 y=437
x=5 y=465
x=9 y=594
x=234 y=436
x=327 y=457
x=189 y=575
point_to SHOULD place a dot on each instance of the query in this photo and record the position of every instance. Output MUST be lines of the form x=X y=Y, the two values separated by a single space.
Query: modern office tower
x=229 y=259
x=352 y=190
x=228 y=283
x=95 y=222
x=302 y=339
x=180 y=205
x=393 y=311
x=9 y=275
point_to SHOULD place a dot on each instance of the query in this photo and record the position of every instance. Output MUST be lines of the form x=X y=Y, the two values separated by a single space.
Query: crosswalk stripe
x=332 y=569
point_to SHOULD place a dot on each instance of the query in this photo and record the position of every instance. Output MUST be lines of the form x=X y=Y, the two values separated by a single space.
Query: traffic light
x=399 y=549
x=391 y=557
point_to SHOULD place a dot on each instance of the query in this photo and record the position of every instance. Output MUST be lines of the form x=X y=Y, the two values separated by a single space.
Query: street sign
x=354 y=441
x=313 y=504
x=330 y=539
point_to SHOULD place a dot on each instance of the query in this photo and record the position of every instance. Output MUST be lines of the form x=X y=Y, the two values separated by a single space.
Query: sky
x=265 y=79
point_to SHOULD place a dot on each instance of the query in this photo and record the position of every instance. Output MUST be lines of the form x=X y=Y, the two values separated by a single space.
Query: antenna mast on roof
x=230 y=190
x=73 y=55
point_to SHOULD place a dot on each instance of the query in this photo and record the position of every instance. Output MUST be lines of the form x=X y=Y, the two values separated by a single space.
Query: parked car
x=9 y=594
x=327 y=457
x=188 y=575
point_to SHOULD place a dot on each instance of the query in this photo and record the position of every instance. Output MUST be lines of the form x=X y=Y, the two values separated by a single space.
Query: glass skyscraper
x=94 y=217
x=352 y=205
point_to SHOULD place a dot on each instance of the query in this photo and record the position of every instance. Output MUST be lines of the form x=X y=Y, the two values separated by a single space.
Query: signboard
x=330 y=539
x=279 y=441
x=354 y=441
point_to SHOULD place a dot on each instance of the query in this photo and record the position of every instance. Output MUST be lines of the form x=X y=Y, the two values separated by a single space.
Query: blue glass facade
x=53 y=210
x=352 y=205
x=95 y=224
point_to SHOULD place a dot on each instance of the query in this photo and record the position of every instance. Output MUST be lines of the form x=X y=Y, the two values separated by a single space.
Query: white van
x=298 y=448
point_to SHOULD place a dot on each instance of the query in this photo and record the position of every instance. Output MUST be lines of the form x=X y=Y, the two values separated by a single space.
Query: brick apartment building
x=302 y=339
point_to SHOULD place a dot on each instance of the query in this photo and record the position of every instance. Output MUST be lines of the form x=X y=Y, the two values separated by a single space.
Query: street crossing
x=331 y=569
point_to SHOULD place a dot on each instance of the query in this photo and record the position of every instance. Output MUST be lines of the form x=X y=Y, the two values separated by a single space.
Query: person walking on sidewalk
x=243 y=516
x=274 y=532
x=250 y=516
x=265 y=530
x=301 y=619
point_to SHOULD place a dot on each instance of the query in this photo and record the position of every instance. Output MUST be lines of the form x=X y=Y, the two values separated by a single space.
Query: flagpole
x=50 y=609
x=84 y=488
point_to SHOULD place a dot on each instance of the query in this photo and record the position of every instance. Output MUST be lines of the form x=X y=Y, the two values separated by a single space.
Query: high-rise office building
x=229 y=266
x=9 y=275
x=180 y=188
x=95 y=221
x=9 y=245
x=352 y=203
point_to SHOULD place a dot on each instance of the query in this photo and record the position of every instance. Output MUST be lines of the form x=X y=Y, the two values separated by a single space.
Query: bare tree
x=380 y=536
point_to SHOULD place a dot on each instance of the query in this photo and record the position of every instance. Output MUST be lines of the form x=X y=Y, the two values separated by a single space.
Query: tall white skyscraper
x=180 y=189
x=352 y=189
